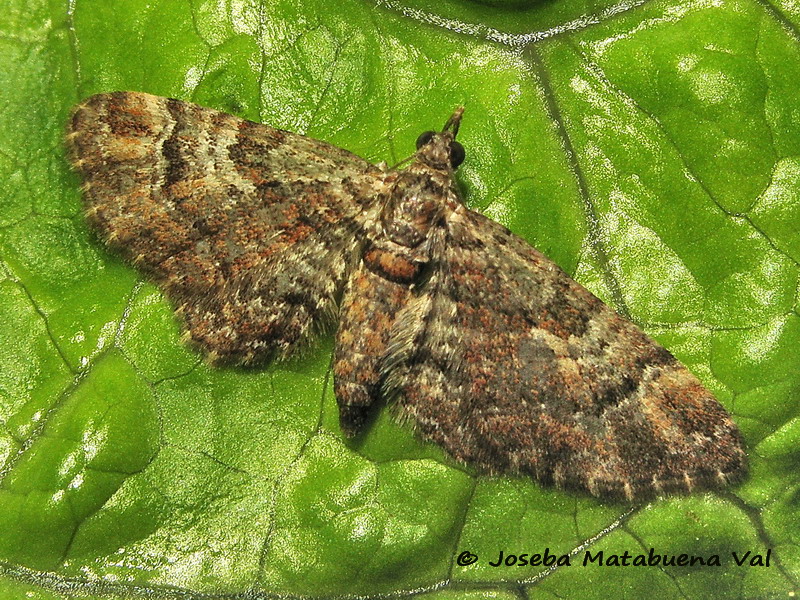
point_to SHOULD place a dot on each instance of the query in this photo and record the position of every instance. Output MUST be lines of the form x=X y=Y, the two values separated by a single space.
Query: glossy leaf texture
x=651 y=148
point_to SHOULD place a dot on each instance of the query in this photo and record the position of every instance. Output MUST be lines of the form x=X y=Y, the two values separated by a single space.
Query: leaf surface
x=651 y=149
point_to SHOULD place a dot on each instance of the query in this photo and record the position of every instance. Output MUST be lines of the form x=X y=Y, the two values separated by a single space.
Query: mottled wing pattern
x=248 y=229
x=512 y=366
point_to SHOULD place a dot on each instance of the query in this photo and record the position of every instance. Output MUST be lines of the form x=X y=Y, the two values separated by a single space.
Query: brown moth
x=260 y=237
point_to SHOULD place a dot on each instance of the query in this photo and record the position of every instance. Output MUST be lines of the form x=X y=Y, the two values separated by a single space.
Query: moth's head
x=439 y=149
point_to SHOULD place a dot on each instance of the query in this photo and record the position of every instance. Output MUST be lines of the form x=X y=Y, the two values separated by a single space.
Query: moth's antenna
x=408 y=159
x=454 y=121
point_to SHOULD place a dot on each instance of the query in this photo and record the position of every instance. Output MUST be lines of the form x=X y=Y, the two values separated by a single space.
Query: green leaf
x=651 y=149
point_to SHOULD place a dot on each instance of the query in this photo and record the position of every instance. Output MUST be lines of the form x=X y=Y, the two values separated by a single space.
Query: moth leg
x=369 y=308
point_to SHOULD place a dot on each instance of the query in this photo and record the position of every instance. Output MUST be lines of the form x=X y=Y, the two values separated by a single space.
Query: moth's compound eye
x=424 y=138
x=457 y=154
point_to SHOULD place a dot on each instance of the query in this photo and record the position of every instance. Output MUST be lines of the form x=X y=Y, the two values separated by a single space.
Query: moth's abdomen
x=396 y=252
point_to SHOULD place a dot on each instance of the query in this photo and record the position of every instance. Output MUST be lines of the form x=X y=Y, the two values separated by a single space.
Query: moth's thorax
x=418 y=200
x=415 y=205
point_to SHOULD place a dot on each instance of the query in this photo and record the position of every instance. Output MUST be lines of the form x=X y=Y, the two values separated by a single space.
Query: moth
x=262 y=237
